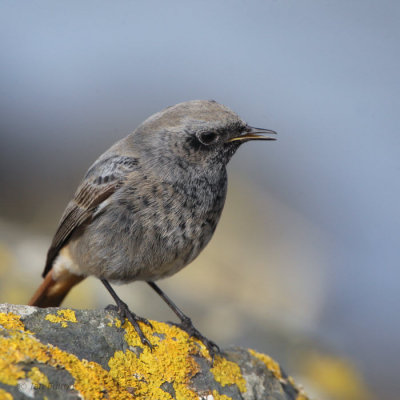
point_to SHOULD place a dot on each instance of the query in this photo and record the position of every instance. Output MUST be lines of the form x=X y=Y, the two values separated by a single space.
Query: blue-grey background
x=77 y=75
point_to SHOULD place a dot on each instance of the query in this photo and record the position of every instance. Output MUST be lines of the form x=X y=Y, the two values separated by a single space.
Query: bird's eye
x=207 y=137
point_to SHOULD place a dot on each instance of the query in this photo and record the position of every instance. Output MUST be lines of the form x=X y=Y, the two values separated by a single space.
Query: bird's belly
x=121 y=249
x=149 y=237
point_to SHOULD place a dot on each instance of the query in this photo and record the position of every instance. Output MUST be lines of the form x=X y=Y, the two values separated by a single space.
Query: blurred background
x=304 y=264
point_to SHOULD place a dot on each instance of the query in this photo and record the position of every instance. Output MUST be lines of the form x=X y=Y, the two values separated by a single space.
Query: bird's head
x=195 y=134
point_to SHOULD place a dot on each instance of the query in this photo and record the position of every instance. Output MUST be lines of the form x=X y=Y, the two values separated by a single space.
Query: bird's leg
x=186 y=323
x=124 y=312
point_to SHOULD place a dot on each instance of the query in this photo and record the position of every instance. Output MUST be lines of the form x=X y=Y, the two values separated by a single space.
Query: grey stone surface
x=97 y=337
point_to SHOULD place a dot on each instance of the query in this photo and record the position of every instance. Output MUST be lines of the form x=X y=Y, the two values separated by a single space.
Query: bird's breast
x=152 y=230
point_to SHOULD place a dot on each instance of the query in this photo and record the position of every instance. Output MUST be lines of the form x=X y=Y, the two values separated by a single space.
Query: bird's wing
x=102 y=179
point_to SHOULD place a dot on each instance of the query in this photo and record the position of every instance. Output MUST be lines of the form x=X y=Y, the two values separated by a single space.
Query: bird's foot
x=124 y=312
x=190 y=329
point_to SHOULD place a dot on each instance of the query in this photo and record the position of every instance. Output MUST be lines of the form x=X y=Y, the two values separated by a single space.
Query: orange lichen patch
x=141 y=374
x=11 y=321
x=62 y=318
x=114 y=321
x=218 y=396
x=274 y=367
x=110 y=322
x=271 y=364
x=91 y=380
x=138 y=372
x=228 y=373
x=9 y=373
x=38 y=378
x=5 y=395
x=170 y=361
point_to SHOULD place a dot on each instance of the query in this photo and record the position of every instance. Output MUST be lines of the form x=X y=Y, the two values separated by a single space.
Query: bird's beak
x=252 y=133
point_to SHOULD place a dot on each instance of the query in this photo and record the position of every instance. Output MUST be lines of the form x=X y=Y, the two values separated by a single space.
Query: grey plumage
x=148 y=205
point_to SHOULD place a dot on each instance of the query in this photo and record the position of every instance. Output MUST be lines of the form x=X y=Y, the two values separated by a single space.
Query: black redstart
x=148 y=205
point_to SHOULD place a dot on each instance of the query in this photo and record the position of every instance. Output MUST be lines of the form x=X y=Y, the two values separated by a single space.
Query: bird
x=148 y=206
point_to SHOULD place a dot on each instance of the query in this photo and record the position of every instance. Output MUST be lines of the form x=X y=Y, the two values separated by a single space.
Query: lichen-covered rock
x=73 y=354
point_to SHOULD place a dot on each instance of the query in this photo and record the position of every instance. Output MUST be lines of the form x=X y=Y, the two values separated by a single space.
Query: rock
x=69 y=354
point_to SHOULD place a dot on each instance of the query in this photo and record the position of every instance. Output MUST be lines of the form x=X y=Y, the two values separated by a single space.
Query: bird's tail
x=52 y=292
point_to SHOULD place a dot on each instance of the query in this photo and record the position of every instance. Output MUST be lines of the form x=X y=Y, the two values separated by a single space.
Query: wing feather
x=102 y=179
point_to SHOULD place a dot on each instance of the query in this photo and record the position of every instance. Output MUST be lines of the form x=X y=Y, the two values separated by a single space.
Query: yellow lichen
x=114 y=321
x=62 y=318
x=38 y=378
x=91 y=380
x=9 y=373
x=271 y=364
x=139 y=371
x=218 y=396
x=228 y=373
x=5 y=395
x=274 y=367
x=11 y=321
x=171 y=360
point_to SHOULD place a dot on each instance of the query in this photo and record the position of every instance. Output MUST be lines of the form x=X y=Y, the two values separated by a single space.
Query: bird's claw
x=189 y=328
x=123 y=311
x=144 y=321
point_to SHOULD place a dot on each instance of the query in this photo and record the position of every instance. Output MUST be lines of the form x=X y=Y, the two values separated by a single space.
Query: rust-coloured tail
x=51 y=293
